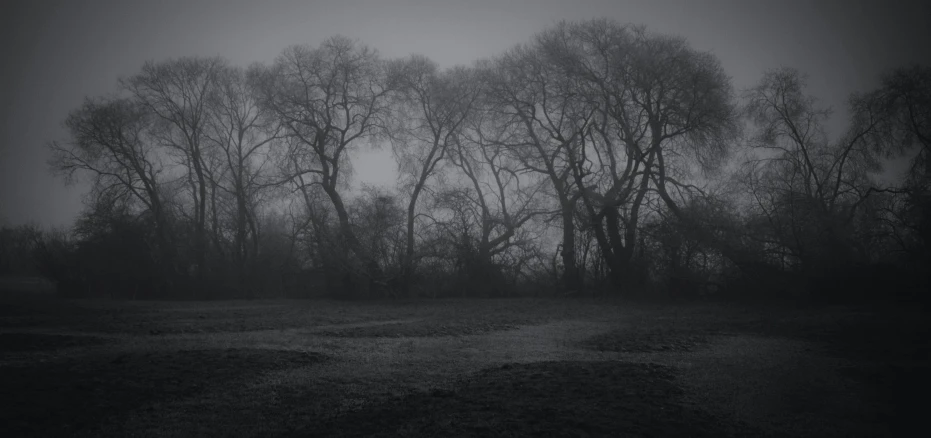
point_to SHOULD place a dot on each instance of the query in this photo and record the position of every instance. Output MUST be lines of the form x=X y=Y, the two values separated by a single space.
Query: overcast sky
x=57 y=52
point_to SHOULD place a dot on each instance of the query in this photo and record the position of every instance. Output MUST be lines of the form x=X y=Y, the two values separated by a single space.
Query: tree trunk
x=374 y=271
x=570 y=277
x=200 y=227
x=408 y=270
x=616 y=251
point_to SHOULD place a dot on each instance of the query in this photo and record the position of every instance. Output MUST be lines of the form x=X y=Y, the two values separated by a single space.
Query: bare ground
x=455 y=368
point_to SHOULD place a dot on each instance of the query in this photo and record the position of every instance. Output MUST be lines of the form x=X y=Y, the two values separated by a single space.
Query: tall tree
x=637 y=112
x=532 y=96
x=904 y=133
x=328 y=100
x=241 y=134
x=110 y=142
x=808 y=187
x=178 y=92
x=905 y=101
x=499 y=193
x=671 y=110
x=432 y=107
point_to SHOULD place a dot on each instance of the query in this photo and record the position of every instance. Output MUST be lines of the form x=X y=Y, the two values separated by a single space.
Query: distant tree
x=494 y=198
x=240 y=134
x=904 y=131
x=592 y=155
x=530 y=95
x=903 y=104
x=431 y=108
x=18 y=250
x=178 y=94
x=666 y=112
x=110 y=143
x=809 y=189
x=379 y=222
x=626 y=113
x=328 y=100
x=111 y=253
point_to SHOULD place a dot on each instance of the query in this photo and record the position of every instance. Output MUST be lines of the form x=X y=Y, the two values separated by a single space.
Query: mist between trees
x=597 y=158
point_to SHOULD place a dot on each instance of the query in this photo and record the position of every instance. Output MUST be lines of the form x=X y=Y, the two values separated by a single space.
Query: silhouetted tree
x=178 y=93
x=904 y=132
x=809 y=188
x=530 y=95
x=110 y=142
x=494 y=197
x=430 y=110
x=328 y=100
x=636 y=111
x=241 y=134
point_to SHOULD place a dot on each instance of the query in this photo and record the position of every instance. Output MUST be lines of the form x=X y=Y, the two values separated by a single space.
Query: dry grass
x=451 y=368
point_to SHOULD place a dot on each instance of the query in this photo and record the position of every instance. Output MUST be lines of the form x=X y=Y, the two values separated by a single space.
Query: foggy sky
x=57 y=52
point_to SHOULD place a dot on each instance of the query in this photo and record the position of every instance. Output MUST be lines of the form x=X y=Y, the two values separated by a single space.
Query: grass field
x=456 y=368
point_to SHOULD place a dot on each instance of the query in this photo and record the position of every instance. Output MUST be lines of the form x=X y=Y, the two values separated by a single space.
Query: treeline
x=597 y=158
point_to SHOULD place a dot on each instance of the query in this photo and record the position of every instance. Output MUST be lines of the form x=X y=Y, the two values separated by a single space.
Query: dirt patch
x=75 y=396
x=21 y=342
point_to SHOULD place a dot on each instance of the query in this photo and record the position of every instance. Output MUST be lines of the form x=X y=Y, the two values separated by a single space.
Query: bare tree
x=379 y=222
x=328 y=100
x=639 y=112
x=178 y=92
x=532 y=96
x=498 y=198
x=240 y=133
x=904 y=99
x=808 y=188
x=432 y=107
x=110 y=142
x=904 y=131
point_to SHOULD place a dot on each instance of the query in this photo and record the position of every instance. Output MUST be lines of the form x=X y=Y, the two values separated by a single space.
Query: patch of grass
x=426 y=329
x=20 y=342
x=656 y=330
x=540 y=399
x=75 y=396
x=456 y=316
x=154 y=321
x=183 y=384
x=850 y=333
x=646 y=340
